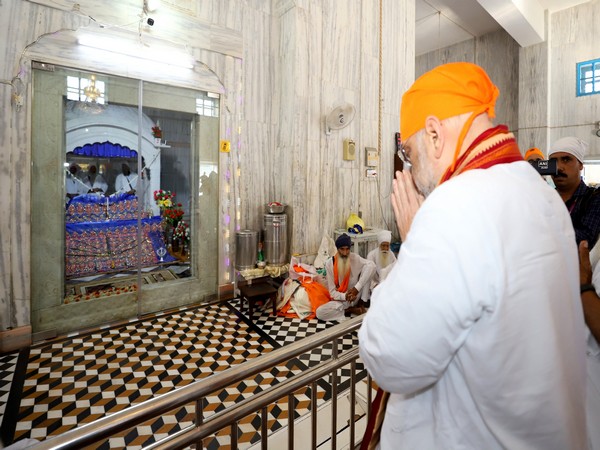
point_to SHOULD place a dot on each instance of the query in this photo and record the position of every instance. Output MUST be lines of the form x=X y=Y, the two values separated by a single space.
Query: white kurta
x=361 y=272
x=99 y=183
x=593 y=371
x=74 y=185
x=375 y=256
x=478 y=329
x=125 y=183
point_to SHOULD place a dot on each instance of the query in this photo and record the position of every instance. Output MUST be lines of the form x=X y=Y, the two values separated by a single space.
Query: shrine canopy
x=105 y=150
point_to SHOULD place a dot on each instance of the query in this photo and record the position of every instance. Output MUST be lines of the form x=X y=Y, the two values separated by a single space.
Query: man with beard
x=382 y=257
x=477 y=332
x=349 y=276
x=580 y=200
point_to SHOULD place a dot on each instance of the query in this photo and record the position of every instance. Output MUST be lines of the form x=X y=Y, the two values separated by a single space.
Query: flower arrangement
x=164 y=199
x=172 y=212
x=156 y=131
x=182 y=232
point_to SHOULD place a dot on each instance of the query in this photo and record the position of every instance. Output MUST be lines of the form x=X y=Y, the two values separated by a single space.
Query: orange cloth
x=534 y=152
x=317 y=295
x=345 y=282
x=447 y=91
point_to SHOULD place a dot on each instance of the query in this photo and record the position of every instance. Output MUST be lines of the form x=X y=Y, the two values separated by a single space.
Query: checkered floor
x=56 y=386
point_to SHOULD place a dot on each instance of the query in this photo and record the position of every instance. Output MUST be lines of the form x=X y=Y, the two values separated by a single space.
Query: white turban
x=571 y=145
x=384 y=236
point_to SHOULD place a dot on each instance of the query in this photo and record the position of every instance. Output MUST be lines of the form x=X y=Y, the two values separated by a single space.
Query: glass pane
x=100 y=235
x=101 y=226
x=591 y=173
x=585 y=71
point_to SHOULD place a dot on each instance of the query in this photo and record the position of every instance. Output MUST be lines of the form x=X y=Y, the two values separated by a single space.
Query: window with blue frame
x=588 y=77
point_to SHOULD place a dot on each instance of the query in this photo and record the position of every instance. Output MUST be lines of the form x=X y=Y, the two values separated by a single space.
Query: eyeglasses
x=403 y=154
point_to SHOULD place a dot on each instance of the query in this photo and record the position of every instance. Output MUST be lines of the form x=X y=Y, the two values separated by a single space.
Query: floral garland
x=182 y=232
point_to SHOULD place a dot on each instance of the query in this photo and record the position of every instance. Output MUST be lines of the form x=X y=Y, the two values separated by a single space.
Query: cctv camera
x=150 y=21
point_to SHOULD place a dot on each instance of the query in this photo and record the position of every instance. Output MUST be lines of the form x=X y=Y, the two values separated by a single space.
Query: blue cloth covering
x=92 y=198
x=105 y=150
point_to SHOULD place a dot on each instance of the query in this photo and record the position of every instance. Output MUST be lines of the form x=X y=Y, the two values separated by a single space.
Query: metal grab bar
x=247 y=406
x=108 y=426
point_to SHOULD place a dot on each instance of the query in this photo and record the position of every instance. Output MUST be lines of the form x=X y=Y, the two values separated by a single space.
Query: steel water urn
x=246 y=247
x=275 y=244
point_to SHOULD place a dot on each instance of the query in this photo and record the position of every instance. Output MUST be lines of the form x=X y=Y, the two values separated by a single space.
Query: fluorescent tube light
x=157 y=53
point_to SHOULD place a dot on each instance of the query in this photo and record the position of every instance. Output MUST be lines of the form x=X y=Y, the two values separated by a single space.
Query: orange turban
x=447 y=91
x=534 y=152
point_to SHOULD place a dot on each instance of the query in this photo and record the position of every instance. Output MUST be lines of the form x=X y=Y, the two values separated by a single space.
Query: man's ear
x=435 y=133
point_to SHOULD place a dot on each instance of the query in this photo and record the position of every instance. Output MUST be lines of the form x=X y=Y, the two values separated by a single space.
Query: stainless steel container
x=273 y=208
x=246 y=249
x=275 y=244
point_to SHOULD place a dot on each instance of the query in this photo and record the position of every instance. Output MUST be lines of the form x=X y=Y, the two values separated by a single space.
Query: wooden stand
x=257 y=291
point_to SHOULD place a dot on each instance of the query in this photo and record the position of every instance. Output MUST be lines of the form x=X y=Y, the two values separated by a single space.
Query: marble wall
x=573 y=37
x=498 y=54
x=540 y=80
x=324 y=53
x=533 y=97
x=280 y=66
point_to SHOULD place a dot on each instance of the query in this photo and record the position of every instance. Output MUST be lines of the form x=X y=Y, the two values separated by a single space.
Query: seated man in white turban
x=382 y=256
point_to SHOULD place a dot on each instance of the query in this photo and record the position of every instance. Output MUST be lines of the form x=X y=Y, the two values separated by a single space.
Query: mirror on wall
x=124 y=190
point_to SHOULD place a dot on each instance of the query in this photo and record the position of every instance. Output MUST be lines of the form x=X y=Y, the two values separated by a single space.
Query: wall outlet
x=372 y=158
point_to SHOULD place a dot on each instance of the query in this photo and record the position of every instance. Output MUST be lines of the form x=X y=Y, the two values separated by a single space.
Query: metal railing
x=109 y=426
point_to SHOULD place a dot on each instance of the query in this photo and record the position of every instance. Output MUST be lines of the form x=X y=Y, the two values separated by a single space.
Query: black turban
x=343 y=241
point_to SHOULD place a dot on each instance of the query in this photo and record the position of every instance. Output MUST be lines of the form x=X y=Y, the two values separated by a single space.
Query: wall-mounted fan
x=340 y=117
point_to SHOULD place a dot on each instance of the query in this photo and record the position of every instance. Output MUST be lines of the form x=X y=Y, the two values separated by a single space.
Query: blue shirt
x=584 y=208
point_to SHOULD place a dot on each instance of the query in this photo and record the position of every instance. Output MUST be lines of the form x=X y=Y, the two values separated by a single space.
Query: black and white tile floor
x=55 y=386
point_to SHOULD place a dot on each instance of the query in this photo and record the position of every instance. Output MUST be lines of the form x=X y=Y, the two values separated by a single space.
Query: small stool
x=257 y=291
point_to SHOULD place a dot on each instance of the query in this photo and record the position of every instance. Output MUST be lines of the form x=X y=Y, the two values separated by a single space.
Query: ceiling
x=440 y=23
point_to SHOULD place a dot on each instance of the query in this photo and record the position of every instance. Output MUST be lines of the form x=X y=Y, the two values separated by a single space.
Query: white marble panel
x=6 y=301
x=533 y=97
x=574 y=35
x=341 y=43
x=175 y=21
x=258 y=74
x=463 y=51
x=498 y=54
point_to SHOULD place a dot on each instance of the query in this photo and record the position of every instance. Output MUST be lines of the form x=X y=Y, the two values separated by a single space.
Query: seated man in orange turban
x=473 y=352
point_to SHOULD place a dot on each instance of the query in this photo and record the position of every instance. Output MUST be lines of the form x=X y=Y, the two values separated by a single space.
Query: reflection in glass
x=101 y=219
x=100 y=235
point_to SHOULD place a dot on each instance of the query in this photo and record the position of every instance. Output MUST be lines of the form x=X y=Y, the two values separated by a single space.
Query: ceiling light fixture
x=154 y=52
x=91 y=92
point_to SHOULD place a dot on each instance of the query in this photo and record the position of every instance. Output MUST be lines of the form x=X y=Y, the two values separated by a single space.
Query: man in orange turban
x=465 y=343
x=534 y=154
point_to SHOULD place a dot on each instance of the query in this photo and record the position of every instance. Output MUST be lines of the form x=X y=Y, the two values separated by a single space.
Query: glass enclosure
x=124 y=198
